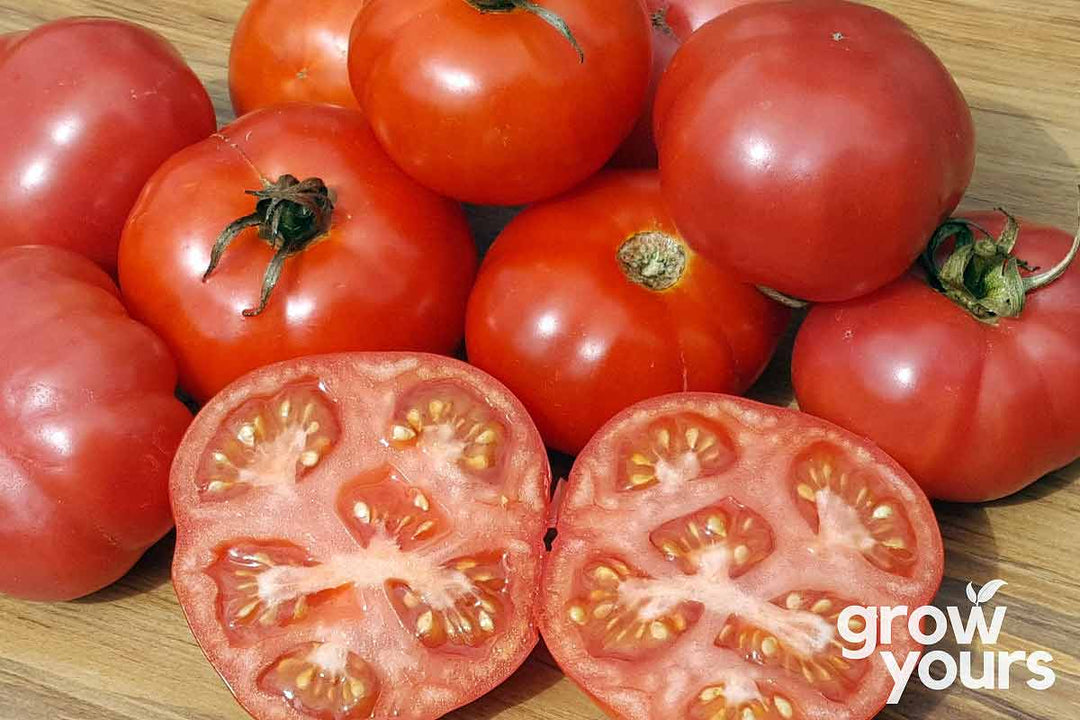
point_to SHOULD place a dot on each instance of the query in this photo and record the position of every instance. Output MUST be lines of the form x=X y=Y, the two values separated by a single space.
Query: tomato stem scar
x=653 y=259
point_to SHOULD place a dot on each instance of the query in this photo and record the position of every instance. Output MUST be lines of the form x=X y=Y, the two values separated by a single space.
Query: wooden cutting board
x=126 y=653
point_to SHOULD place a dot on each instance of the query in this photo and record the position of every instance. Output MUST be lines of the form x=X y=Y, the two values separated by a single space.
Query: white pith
x=275 y=462
x=839 y=524
x=672 y=474
x=382 y=560
x=802 y=632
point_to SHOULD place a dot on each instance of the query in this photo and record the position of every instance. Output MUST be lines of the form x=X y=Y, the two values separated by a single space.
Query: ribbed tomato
x=89 y=423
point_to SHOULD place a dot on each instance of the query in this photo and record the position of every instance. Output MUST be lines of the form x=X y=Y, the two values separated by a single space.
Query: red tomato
x=591 y=302
x=498 y=107
x=975 y=410
x=361 y=536
x=706 y=547
x=90 y=425
x=811 y=146
x=91 y=108
x=672 y=22
x=284 y=53
x=381 y=263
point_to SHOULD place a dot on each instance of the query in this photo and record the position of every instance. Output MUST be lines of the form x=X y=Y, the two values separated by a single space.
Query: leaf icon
x=990 y=589
x=970 y=590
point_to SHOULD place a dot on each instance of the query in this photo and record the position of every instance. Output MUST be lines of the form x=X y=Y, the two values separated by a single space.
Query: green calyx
x=981 y=274
x=551 y=18
x=290 y=215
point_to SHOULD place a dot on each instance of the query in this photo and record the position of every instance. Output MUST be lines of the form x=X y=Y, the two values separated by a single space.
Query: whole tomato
x=501 y=102
x=90 y=426
x=811 y=146
x=974 y=388
x=672 y=22
x=91 y=108
x=292 y=233
x=282 y=52
x=591 y=302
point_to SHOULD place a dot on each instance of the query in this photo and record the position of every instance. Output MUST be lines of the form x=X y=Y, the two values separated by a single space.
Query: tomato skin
x=995 y=405
x=281 y=54
x=672 y=22
x=598 y=520
x=554 y=316
x=750 y=126
x=90 y=424
x=496 y=108
x=361 y=386
x=393 y=272
x=92 y=108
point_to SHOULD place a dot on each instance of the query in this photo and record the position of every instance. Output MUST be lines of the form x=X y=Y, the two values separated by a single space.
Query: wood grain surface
x=126 y=653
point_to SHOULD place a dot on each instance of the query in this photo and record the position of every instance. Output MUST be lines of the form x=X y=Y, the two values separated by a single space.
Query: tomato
x=361 y=536
x=498 y=106
x=364 y=258
x=91 y=108
x=590 y=302
x=281 y=53
x=811 y=146
x=90 y=425
x=974 y=409
x=672 y=22
x=706 y=547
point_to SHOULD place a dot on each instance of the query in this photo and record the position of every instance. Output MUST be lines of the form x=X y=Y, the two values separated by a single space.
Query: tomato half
x=282 y=52
x=361 y=536
x=90 y=425
x=591 y=302
x=363 y=259
x=497 y=106
x=811 y=146
x=974 y=409
x=672 y=22
x=706 y=547
x=91 y=108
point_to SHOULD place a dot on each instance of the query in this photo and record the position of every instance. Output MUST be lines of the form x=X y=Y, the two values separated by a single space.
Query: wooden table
x=126 y=654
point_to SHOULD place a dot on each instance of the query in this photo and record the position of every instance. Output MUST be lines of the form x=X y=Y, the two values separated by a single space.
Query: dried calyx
x=551 y=18
x=290 y=215
x=981 y=274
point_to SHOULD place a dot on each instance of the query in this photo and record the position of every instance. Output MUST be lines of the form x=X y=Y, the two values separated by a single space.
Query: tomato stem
x=785 y=300
x=981 y=274
x=290 y=216
x=550 y=17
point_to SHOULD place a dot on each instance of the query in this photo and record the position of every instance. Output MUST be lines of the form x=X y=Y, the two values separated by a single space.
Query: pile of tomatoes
x=361 y=518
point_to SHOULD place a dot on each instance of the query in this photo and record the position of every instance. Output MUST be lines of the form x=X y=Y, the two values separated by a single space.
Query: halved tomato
x=360 y=536
x=707 y=546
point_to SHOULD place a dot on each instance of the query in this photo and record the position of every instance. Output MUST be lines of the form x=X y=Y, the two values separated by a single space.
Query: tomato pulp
x=591 y=302
x=706 y=547
x=284 y=52
x=492 y=104
x=91 y=108
x=361 y=536
x=364 y=258
x=90 y=425
x=974 y=409
x=811 y=146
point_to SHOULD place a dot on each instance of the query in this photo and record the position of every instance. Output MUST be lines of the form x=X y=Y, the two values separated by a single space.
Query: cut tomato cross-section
x=339 y=570
x=706 y=548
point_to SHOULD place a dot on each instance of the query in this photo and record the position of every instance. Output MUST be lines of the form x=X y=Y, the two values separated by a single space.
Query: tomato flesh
x=713 y=590
x=352 y=569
